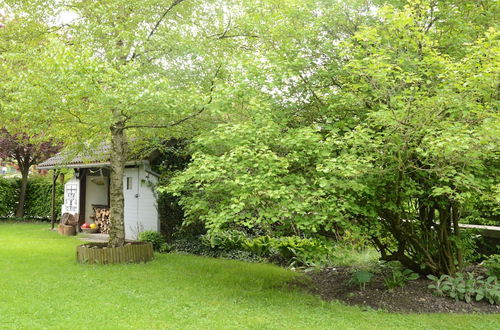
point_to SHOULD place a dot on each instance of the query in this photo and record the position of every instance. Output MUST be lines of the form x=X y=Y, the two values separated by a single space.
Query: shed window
x=129 y=183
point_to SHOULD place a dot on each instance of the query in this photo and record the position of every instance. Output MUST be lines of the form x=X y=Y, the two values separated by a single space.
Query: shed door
x=131 y=187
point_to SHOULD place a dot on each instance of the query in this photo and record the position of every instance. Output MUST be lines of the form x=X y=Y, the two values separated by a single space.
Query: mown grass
x=41 y=286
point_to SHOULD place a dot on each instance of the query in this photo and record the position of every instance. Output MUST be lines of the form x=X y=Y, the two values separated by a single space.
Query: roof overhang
x=90 y=165
x=58 y=167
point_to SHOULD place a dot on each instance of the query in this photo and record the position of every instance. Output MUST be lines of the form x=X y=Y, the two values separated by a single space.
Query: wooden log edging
x=99 y=253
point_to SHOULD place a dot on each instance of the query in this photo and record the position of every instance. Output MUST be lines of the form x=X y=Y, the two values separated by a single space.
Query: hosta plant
x=361 y=278
x=398 y=277
x=466 y=287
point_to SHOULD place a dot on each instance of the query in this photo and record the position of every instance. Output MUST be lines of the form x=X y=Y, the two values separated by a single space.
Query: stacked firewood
x=101 y=219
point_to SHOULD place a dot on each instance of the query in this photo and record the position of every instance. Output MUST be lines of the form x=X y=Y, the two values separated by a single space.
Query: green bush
x=198 y=245
x=492 y=265
x=261 y=246
x=303 y=251
x=154 y=238
x=9 y=192
x=192 y=245
x=397 y=276
x=38 y=197
x=225 y=240
x=292 y=251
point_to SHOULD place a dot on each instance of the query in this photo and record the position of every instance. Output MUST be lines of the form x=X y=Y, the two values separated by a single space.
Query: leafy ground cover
x=42 y=286
x=414 y=297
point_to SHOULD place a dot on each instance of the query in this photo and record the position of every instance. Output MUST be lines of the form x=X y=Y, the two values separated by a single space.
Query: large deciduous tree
x=120 y=68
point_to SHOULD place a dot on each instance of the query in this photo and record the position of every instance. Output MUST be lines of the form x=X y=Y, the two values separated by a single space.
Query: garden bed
x=100 y=253
x=414 y=297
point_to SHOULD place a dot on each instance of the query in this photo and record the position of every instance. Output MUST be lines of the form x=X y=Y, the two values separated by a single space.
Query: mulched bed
x=414 y=297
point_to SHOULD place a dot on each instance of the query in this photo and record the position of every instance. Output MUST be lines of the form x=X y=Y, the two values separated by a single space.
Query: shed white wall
x=140 y=202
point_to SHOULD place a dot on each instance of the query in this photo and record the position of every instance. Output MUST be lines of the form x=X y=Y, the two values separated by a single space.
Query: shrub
x=192 y=245
x=292 y=251
x=299 y=251
x=240 y=255
x=38 y=198
x=261 y=246
x=492 y=265
x=466 y=287
x=224 y=240
x=9 y=191
x=197 y=245
x=397 y=276
x=154 y=238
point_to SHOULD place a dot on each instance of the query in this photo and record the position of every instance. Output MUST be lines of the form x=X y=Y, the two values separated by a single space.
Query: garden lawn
x=42 y=286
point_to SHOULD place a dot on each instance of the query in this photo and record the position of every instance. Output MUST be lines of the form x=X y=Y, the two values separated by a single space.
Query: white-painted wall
x=148 y=206
x=140 y=202
x=95 y=194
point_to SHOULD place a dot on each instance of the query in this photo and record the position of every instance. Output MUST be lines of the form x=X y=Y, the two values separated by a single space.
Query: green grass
x=363 y=259
x=41 y=286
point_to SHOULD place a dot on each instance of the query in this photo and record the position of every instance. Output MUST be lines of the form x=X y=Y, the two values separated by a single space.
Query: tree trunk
x=118 y=159
x=22 y=194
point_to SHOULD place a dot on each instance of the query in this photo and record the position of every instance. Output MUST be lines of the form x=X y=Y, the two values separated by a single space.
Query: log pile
x=101 y=219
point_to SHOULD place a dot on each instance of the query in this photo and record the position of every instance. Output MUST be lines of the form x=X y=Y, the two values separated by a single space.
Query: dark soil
x=414 y=297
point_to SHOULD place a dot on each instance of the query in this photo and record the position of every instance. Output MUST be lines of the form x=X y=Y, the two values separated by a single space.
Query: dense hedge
x=9 y=190
x=38 y=198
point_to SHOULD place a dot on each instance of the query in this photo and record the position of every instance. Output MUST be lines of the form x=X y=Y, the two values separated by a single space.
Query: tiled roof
x=97 y=156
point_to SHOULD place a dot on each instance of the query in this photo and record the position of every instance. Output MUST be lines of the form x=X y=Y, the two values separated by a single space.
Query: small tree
x=26 y=152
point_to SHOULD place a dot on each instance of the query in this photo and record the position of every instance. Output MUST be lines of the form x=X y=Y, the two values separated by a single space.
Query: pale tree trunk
x=118 y=159
x=22 y=194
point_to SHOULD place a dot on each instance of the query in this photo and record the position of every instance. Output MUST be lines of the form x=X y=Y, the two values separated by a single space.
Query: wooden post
x=55 y=175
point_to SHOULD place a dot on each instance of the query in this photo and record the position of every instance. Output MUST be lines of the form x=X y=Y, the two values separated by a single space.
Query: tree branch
x=180 y=121
x=158 y=23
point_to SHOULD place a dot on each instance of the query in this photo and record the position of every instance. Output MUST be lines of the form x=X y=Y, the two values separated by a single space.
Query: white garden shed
x=86 y=194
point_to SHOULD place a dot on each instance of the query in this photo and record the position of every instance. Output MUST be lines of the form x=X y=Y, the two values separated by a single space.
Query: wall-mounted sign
x=71 y=197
